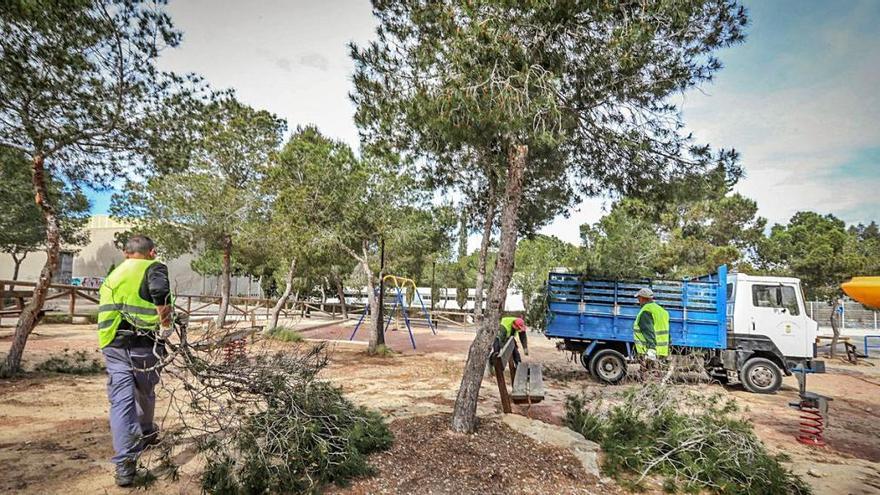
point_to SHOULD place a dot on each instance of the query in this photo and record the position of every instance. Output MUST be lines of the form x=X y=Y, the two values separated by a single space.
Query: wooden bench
x=527 y=380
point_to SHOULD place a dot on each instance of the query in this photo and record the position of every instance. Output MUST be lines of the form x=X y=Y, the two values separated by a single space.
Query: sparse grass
x=52 y=318
x=695 y=444
x=384 y=351
x=75 y=363
x=285 y=334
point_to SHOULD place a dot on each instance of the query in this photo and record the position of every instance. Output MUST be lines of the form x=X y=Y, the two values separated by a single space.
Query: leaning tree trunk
x=31 y=312
x=484 y=251
x=225 y=281
x=464 y=415
x=340 y=293
x=282 y=300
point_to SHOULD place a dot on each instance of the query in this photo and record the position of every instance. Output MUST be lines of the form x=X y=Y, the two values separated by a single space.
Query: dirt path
x=54 y=435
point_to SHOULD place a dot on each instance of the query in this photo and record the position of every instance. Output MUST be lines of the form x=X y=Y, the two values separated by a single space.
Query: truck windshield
x=775 y=296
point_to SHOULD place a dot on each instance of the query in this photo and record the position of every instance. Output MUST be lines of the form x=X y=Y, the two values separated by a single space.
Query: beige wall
x=96 y=258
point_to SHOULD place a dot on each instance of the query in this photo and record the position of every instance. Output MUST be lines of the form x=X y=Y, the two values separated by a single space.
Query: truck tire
x=761 y=376
x=608 y=366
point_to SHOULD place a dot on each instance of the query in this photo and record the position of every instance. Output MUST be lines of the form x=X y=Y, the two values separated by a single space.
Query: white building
x=89 y=264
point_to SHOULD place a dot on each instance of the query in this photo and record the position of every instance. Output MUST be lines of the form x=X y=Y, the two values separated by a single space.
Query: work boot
x=125 y=473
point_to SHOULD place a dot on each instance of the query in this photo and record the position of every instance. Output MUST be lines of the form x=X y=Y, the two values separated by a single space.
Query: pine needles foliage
x=694 y=443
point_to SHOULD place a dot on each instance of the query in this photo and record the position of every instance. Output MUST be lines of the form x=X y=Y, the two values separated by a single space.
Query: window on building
x=775 y=296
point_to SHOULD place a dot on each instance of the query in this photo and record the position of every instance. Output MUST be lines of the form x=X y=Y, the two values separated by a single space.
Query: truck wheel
x=608 y=366
x=761 y=376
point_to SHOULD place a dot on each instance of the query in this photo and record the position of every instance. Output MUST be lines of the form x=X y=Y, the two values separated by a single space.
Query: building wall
x=92 y=262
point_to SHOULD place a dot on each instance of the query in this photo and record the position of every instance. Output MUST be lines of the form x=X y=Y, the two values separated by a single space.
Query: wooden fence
x=201 y=305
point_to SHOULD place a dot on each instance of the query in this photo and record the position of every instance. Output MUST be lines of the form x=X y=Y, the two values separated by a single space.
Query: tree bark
x=835 y=326
x=464 y=414
x=373 y=344
x=16 y=267
x=340 y=293
x=225 y=281
x=17 y=264
x=30 y=313
x=484 y=252
x=282 y=299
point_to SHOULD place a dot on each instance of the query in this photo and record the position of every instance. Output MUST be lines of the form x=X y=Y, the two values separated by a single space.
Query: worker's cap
x=646 y=293
x=519 y=324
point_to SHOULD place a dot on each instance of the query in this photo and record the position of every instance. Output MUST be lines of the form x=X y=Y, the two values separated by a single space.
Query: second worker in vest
x=135 y=306
x=651 y=328
x=508 y=326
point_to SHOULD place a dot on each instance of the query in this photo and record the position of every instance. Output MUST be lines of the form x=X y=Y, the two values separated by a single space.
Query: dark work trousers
x=132 y=399
x=496 y=348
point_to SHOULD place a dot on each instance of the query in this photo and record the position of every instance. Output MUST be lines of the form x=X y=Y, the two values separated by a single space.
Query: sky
x=799 y=100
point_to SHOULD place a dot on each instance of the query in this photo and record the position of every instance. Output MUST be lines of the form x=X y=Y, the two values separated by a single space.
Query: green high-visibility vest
x=507 y=324
x=661 y=330
x=120 y=298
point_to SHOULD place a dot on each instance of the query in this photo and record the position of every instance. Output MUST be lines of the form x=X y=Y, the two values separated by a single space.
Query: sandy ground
x=54 y=435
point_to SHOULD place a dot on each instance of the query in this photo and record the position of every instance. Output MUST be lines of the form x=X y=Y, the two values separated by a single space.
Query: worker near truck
x=508 y=326
x=134 y=318
x=651 y=327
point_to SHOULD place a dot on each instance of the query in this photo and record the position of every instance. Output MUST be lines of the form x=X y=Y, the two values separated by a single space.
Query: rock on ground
x=558 y=436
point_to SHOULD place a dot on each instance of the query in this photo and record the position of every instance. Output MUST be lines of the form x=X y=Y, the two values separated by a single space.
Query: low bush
x=284 y=334
x=75 y=363
x=694 y=443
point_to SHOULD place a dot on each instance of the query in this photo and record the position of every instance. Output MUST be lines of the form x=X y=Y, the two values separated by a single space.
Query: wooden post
x=189 y=300
x=2 y=301
x=502 y=386
x=72 y=308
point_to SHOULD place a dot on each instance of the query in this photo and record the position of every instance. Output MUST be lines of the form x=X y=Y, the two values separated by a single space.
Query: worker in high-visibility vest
x=507 y=328
x=651 y=327
x=134 y=318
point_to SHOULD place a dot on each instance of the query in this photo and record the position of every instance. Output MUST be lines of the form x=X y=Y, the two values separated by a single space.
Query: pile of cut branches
x=262 y=420
x=692 y=442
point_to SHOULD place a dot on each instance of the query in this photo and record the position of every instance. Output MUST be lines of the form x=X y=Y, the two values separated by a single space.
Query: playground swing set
x=400 y=284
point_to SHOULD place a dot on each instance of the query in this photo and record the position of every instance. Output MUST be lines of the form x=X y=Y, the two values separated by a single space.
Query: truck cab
x=772 y=307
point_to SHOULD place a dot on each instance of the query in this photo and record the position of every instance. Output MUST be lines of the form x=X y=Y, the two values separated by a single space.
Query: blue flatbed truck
x=750 y=330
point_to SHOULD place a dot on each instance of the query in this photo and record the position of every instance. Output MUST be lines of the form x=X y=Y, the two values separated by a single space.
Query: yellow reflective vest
x=120 y=298
x=660 y=340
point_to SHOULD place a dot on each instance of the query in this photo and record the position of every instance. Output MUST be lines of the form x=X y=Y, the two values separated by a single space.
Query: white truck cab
x=772 y=307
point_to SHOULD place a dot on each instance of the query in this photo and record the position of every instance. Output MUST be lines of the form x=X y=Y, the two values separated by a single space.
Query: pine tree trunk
x=464 y=414
x=225 y=281
x=30 y=313
x=484 y=253
x=340 y=292
x=282 y=300
x=373 y=344
x=835 y=327
x=17 y=264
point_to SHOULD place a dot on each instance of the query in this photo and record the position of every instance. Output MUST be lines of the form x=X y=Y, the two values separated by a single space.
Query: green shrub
x=694 y=443
x=285 y=334
x=383 y=350
x=76 y=363
x=51 y=318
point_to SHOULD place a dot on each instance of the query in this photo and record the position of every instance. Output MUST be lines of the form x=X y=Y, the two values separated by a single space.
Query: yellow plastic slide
x=865 y=290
